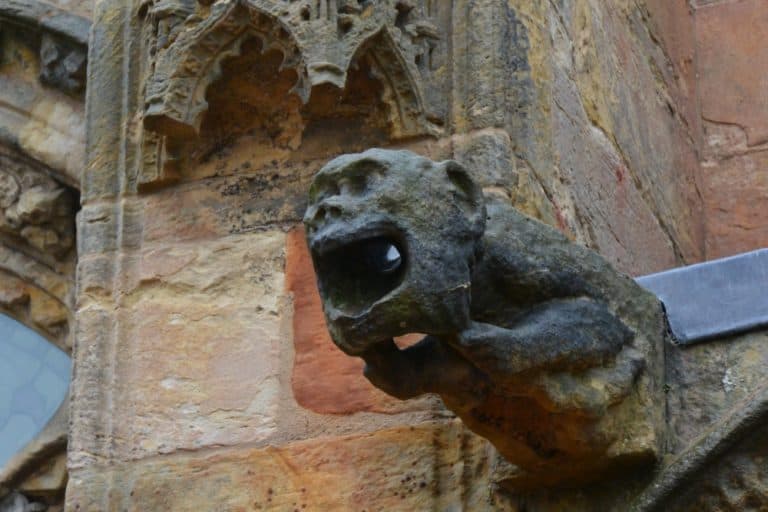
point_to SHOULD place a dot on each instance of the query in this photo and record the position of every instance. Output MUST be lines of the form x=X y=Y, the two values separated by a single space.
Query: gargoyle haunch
x=536 y=343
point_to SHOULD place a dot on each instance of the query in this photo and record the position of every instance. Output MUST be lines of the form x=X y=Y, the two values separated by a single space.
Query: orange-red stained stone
x=325 y=380
x=733 y=56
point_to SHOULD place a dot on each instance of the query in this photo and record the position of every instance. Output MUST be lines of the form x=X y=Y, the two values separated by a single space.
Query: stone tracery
x=319 y=40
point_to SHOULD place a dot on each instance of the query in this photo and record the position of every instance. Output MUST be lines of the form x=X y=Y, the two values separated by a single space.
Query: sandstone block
x=736 y=197
x=202 y=344
x=426 y=467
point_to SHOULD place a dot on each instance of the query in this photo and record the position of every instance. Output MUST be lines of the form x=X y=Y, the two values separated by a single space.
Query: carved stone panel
x=62 y=64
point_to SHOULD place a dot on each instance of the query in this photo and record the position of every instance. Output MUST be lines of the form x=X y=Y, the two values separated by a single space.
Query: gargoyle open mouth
x=355 y=271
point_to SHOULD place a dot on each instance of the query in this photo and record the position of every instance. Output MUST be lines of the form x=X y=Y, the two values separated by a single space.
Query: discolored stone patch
x=324 y=379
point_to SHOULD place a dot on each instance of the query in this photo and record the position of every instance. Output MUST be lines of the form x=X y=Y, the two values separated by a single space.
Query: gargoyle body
x=535 y=342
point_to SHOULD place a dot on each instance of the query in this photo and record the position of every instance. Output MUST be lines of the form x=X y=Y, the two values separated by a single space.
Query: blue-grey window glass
x=34 y=378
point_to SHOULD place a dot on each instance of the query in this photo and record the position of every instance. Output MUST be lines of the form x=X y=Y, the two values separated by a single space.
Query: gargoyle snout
x=325 y=212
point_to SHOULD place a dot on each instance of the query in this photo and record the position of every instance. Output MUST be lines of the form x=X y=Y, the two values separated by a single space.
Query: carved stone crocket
x=535 y=342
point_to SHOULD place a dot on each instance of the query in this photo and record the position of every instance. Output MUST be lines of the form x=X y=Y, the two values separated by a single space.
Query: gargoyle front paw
x=429 y=366
x=387 y=368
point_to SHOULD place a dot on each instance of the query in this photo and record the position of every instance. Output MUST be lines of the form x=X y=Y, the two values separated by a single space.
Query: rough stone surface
x=737 y=482
x=710 y=380
x=83 y=8
x=673 y=22
x=423 y=467
x=731 y=64
x=736 y=193
x=592 y=120
x=201 y=324
x=717 y=60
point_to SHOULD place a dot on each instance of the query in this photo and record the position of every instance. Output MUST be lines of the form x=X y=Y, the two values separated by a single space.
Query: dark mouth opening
x=359 y=273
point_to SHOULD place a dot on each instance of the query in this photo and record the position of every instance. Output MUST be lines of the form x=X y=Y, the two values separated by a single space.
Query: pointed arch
x=175 y=96
x=399 y=75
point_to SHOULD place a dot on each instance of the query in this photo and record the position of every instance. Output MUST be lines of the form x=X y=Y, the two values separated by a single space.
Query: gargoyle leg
x=567 y=334
x=429 y=366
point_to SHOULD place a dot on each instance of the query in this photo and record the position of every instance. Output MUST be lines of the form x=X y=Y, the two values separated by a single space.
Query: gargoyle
x=535 y=342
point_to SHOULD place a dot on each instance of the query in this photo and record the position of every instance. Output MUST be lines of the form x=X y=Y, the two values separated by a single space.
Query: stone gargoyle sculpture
x=535 y=342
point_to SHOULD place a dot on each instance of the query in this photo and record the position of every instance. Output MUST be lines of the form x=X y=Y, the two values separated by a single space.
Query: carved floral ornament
x=318 y=38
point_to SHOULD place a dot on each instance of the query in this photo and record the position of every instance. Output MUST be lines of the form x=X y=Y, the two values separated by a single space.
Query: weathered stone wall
x=732 y=83
x=719 y=61
x=204 y=374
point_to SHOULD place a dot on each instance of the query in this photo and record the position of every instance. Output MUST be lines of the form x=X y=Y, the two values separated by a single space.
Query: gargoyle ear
x=467 y=193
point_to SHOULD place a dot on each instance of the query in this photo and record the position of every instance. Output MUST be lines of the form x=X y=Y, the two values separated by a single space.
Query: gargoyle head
x=393 y=237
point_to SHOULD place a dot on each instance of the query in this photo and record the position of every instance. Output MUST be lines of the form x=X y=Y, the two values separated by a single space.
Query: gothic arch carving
x=175 y=94
x=37 y=266
x=407 y=107
x=37 y=247
x=318 y=38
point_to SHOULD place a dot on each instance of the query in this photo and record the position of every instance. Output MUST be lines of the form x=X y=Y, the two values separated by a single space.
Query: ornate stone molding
x=37 y=247
x=63 y=41
x=319 y=39
x=46 y=17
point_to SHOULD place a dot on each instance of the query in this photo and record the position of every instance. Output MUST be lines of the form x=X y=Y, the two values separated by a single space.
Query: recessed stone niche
x=255 y=123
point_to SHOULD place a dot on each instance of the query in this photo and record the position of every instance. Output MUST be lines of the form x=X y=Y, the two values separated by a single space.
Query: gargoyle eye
x=353 y=184
x=382 y=256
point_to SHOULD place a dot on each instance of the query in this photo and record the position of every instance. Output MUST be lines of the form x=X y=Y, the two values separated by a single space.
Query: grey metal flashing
x=46 y=17
x=714 y=299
